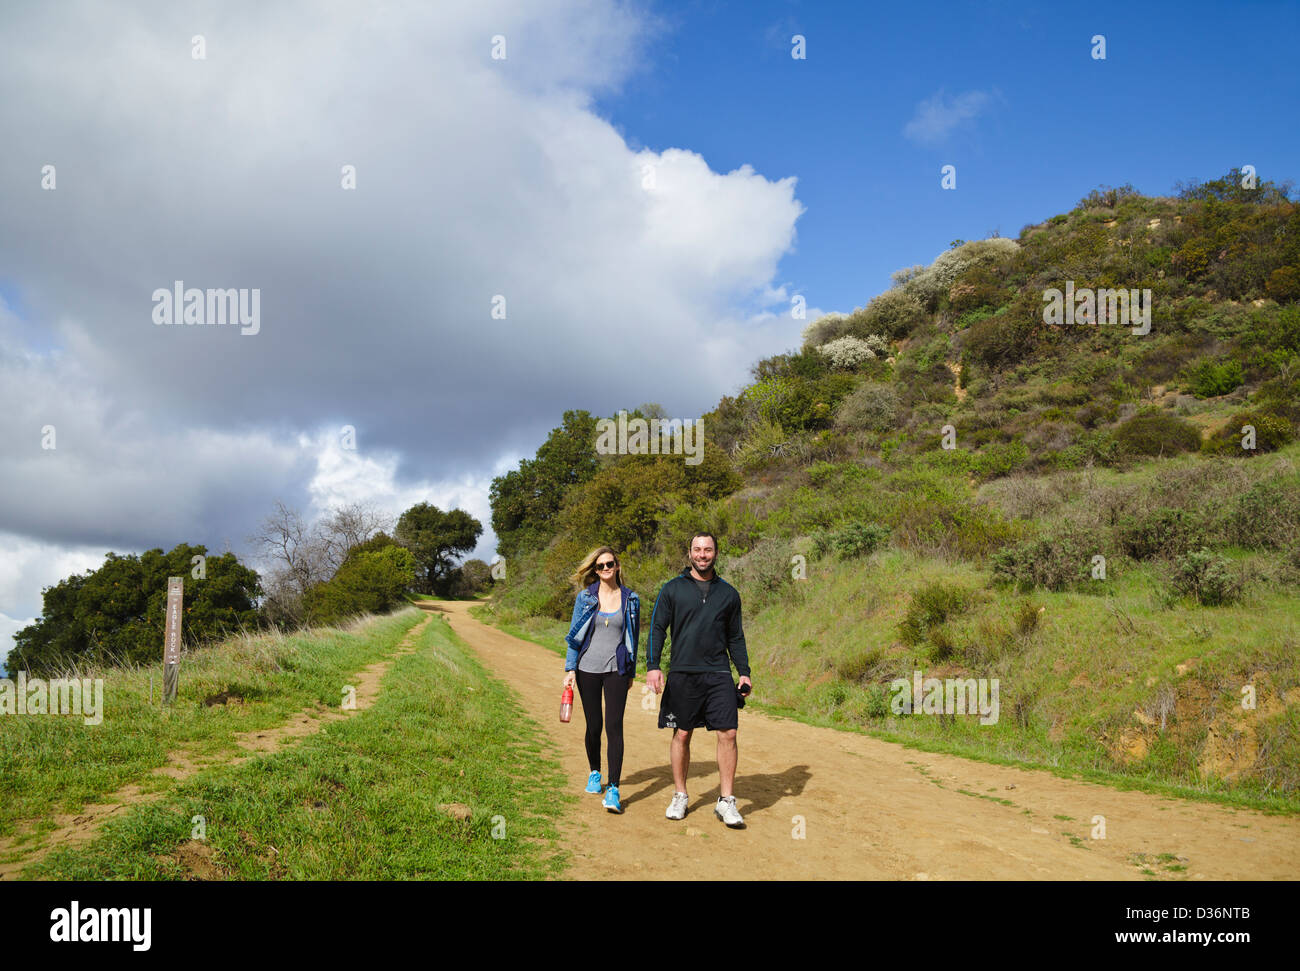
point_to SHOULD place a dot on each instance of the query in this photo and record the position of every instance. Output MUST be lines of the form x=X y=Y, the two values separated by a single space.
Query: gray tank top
x=600 y=657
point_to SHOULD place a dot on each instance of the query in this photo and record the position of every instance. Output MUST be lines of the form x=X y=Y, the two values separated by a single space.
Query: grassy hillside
x=442 y=777
x=944 y=462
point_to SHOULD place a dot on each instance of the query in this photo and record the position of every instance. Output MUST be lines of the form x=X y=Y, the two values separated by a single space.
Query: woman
x=601 y=659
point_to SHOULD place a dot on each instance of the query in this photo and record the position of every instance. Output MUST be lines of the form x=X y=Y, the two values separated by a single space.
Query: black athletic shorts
x=699 y=700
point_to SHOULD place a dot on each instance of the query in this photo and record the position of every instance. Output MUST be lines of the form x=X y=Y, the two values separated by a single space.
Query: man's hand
x=656 y=680
x=744 y=680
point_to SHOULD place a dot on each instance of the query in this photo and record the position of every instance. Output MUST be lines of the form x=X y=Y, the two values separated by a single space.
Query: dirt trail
x=869 y=809
x=78 y=827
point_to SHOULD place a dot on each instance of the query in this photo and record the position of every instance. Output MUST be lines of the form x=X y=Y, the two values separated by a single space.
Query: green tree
x=436 y=538
x=525 y=500
x=375 y=543
x=116 y=614
x=369 y=582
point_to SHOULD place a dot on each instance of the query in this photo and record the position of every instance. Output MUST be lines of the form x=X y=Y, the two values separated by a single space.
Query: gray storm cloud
x=475 y=178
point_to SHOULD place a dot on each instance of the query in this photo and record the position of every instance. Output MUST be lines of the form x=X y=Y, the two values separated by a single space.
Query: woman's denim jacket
x=585 y=606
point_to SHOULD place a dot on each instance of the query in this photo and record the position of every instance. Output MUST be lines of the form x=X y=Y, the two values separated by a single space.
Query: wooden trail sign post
x=172 y=639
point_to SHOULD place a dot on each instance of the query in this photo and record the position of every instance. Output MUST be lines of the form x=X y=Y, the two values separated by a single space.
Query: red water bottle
x=566 y=704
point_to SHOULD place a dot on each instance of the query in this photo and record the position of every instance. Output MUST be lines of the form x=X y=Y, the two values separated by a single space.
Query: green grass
x=361 y=798
x=826 y=650
x=1081 y=671
x=52 y=764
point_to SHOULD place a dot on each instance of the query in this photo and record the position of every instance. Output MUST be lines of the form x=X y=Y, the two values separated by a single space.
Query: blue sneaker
x=611 y=800
x=593 y=783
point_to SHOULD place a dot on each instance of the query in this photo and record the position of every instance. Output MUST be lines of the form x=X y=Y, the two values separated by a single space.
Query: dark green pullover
x=705 y=629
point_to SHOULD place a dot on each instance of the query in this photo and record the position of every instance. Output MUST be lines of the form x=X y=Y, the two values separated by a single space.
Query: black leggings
x=615 y=687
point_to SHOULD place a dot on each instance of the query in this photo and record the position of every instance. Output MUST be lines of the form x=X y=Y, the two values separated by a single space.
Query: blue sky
x=1187 y=90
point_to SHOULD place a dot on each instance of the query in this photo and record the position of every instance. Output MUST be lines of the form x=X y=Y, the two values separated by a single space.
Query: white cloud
x=9 y=626
x=26 y=568
x=475 y=177
x=344 y=476
x=938 y=116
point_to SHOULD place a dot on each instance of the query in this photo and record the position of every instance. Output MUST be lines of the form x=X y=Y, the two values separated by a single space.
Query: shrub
x=859 y=664
x=625 y=501
x=850 y=352
x=764 y=572
x=821 y=542
x=726 y=424
x=1281 y=395
x=920 y=382
x=872 y=406
x=979 y=287
x=369 y=582
x=1164 y=532
x=836 y=694
x=779 y=400
x=876 y=701
x=1108 y=197
x=824 y=329
x=858 y=539
x=895 y=313
x=826 y=395
x=1284 y=284
x=931 y=606
x=1027 y=618
x=1053 y=561
x=1207 y=577
x=1097 y=412
x=806 y=364
x=1271 y=433
x=1208 y=379
x=964 y=320
x=764 y=442
x=795 y=403
x=1279 y=330
x=1096 y=448
x=941 y=643
x=1266 y=516
x=1000 y=341
x=1156 y=432
x=935 y=281
x=996 y=460
x=1048 y=437
x=950 y=528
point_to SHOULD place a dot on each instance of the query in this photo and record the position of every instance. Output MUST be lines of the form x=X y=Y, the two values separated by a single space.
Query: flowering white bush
x=901 y=309
x=823 y=327
x=849 y=352
x=949 y=265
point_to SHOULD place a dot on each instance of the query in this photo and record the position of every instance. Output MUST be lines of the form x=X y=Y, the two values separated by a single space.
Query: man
x=701 y=612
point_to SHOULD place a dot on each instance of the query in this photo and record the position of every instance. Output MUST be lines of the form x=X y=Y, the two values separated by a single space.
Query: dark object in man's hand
x=741 y=691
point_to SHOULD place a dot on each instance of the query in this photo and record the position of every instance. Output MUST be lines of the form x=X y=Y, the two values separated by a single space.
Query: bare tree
x=302 y=554
x=297 y=560
x=350 y=526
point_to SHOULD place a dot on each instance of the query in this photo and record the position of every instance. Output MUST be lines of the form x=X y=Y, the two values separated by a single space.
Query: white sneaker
x=726 y=811
x=677 y=808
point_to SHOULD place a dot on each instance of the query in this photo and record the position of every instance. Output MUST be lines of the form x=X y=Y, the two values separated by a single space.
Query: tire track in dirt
x=870 y=809
x=73 y=828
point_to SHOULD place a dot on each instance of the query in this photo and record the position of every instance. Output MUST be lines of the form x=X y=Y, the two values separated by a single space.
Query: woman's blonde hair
x=586 y=575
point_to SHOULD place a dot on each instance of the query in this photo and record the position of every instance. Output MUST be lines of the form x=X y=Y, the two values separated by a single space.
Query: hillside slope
x=1105 y=518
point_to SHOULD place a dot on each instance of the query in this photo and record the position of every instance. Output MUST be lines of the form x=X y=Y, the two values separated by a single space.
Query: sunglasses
x=609 y=565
